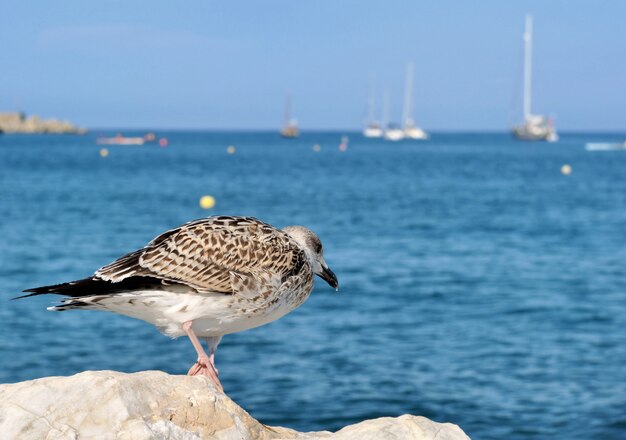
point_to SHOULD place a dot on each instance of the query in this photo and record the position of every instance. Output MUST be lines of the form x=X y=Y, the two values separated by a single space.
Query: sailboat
x=393 y=132
x=290 y=128
x=534 y=127
x=411 y=131
x=373 y=128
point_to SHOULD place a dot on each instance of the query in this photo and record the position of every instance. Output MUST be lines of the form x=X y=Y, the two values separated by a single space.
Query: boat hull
x=416 y=134
x=394 y=135
x=537 y=128
x=371 y=132
x=290 y=132
x=523 y=135
x=121 y=141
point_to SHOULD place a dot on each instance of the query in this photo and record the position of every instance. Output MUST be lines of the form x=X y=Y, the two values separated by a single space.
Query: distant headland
x=18 y=122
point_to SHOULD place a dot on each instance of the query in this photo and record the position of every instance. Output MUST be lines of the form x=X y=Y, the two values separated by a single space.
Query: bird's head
x=312 y=245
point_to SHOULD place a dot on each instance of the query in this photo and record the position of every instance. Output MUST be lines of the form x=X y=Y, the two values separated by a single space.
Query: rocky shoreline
x=156 y=405
x=17 y=122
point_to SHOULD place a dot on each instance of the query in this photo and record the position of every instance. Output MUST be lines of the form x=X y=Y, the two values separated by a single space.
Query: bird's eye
x=319 y=249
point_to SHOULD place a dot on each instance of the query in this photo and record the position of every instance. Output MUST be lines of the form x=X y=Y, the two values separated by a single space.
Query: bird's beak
x=330 y=277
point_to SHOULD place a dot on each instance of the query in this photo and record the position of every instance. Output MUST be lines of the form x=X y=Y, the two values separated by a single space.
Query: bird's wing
x=206 y=253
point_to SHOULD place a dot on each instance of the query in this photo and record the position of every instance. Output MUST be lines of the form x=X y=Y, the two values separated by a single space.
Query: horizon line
x=340 y=130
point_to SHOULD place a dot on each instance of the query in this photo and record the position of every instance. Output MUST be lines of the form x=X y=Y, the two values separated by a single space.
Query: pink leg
x=204 y=366
x=213 y=342
x=212 y=360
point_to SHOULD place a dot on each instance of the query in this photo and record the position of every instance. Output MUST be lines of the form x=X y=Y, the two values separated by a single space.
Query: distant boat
x=393 y=132
x=372 y=129
x=415 y=133
x=120 y=140
x=411 y=131
x=534 y=127
x=605 y=146
x=290 y=128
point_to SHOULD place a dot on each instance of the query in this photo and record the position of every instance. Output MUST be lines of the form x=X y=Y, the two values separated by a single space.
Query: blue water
x=479 y=285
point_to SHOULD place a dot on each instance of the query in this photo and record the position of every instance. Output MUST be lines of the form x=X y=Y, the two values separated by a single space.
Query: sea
x=482 y=280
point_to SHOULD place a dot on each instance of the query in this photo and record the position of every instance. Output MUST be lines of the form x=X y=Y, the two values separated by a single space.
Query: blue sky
x=209 y=64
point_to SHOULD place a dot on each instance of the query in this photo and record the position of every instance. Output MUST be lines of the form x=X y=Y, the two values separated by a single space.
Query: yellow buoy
x=566 y=169
x=231 y=149
x=104 y=152
x=207 y=202
x=317 y=148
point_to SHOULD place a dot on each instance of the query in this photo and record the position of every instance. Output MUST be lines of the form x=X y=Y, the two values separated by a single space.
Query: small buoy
x=207 y=202
x=104 y=152
x=566 y=169
x=343 y=147
x=317 y=148
x=163 y=142
x=231 y=149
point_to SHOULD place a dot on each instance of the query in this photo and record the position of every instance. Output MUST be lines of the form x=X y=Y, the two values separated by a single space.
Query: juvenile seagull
x=206 y=278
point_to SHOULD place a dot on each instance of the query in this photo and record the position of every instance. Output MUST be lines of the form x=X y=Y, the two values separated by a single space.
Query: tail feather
x=94 y=286
x=69 y=289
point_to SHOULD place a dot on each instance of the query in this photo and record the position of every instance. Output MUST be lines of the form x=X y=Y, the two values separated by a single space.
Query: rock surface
x=17 y=122
x=155 y=405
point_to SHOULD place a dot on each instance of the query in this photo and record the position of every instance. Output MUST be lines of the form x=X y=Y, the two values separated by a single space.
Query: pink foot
x=204 y=367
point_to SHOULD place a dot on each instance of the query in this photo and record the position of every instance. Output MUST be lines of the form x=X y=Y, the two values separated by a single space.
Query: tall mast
x=408 y=92
x=371 y=102
x=385 y=120
x=528 y=42
x=288 y=109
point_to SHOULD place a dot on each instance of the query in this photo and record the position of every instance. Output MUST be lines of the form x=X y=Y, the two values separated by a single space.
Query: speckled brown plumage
x=214 y=254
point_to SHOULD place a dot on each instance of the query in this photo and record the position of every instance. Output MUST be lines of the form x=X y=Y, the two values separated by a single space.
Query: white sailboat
x=393 y=132
x=290 y=128
x=372 y=129
x=411 y=131
x=534 y=127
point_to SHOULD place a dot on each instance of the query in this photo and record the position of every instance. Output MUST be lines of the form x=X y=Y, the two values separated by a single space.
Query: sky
x=229 y=64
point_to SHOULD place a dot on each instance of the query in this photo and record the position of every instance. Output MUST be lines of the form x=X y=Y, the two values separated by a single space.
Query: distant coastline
x=18 y=122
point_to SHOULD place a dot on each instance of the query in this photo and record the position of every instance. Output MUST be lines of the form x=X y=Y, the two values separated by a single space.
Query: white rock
x=154 y=405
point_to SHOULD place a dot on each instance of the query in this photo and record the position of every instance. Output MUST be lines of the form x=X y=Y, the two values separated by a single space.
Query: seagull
x=205 y=279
